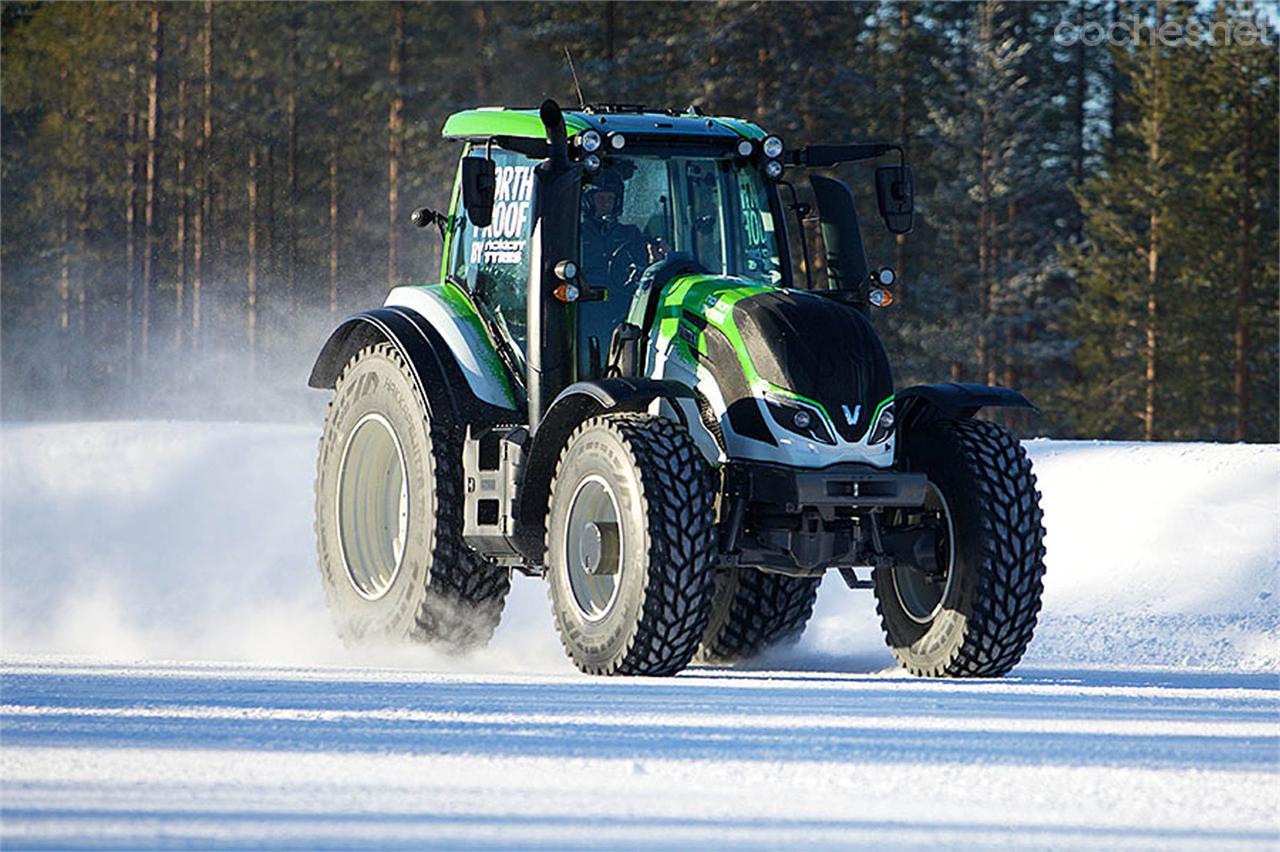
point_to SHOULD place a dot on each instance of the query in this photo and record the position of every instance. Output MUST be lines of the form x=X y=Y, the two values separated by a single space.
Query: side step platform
x=491 y=462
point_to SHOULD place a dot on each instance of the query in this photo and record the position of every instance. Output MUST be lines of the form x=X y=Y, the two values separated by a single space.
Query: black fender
x=576 y=403
x=445 y=392
x=921 y=404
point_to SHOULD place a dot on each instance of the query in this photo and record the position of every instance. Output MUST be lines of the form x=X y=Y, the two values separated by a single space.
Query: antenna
x=582 y=102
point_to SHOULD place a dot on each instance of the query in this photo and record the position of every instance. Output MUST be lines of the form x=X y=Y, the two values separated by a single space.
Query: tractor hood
x=767 y=348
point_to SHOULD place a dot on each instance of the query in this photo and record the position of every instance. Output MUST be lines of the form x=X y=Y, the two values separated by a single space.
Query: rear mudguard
x=443 y=309
x=449 y=391
x=921 y=404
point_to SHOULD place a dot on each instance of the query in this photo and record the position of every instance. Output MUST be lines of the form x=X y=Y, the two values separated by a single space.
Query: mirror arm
x=823 y=156
x=424 y=216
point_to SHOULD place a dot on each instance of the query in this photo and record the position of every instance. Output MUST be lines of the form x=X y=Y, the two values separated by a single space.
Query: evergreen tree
x=1172 y=224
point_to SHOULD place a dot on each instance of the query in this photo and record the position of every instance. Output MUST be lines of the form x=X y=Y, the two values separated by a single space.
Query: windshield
x=638 y=209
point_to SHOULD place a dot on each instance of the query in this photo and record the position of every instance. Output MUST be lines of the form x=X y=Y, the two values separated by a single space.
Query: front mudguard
x=575 y=404
x=919 y=405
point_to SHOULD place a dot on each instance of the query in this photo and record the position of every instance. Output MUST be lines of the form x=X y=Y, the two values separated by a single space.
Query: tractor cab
x=649 y=187
x=626 y=196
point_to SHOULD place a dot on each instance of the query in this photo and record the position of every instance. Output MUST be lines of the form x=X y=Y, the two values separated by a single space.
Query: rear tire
x=630 y=530
x=754 y=611
x=975 y=617
x=389 y=516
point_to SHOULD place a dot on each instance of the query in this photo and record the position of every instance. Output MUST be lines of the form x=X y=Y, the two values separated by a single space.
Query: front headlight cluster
x=767 y=152
x=771 y=147
x=882 y=429
x=795 y=416
x=591 y=142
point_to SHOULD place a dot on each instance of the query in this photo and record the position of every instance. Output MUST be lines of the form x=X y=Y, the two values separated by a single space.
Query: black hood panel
x=820 y=349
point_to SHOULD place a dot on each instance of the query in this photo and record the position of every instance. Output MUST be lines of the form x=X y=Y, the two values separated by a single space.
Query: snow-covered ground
x=169 y=678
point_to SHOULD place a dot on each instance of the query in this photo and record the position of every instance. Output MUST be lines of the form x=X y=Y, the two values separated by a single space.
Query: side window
x=494 y=261
x=759 y=247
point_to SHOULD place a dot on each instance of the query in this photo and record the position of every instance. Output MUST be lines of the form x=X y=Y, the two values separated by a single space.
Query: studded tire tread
x=677 y=504
x=999 y=520
x=755 y=611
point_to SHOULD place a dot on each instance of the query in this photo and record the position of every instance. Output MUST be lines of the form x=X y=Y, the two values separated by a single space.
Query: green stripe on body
x=713 y=299
x=455 y=302
x=745 y=129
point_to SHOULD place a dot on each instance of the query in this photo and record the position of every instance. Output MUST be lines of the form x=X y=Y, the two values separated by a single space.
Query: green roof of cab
x=486 y=122
x=482 y=123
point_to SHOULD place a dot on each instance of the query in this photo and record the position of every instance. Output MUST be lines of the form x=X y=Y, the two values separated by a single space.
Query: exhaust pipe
x=553 y=120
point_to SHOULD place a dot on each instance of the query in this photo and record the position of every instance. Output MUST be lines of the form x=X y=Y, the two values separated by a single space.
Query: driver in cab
x=613 y=254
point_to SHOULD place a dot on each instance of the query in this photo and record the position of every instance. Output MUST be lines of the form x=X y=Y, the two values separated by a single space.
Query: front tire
x=630 y=531
x=754 y=611
x=389 y=516
x=973 y=612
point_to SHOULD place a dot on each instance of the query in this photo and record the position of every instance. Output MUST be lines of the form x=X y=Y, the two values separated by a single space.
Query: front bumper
x=792 y=489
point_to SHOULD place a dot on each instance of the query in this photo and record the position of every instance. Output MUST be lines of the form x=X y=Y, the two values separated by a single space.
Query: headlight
x=772 y=147
x=882 y=429
x=589 y=141
x=798 y=418
x=566 y=270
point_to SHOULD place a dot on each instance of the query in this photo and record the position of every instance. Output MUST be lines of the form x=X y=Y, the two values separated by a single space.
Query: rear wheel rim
x=922 y=596
x=373 y=506
x=593 y=547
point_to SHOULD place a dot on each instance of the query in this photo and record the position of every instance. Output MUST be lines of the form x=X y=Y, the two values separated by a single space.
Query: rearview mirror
x=478 y=184
x=895 y=191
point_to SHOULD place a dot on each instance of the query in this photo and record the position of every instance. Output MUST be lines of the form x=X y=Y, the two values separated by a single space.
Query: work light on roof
x=772 y=147
x=589 y=141
x=617 y=141
x=773 y=169
x=744 y=148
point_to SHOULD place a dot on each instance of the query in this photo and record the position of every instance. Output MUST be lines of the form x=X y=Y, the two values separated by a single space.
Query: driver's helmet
x=607 y=181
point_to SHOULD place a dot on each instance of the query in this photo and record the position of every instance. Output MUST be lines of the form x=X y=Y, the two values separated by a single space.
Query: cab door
x=494 y=263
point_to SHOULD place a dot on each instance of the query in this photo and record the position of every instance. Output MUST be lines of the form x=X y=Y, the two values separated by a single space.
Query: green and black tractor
x=617 y=386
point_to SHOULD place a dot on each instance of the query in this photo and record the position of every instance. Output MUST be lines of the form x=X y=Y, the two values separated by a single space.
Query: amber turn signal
x=880 y=297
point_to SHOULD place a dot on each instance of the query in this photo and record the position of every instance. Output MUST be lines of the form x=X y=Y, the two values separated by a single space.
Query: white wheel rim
x=919 y=599
x=372 y=506
x=593 y=547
